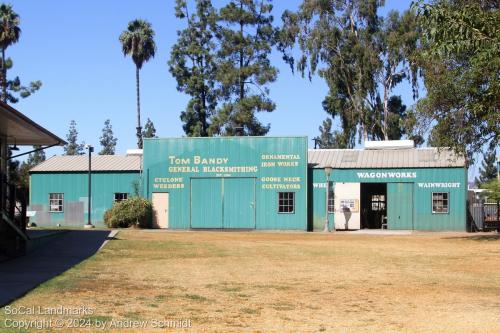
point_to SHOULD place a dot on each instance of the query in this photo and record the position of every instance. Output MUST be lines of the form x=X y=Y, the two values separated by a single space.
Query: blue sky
x=73 y=48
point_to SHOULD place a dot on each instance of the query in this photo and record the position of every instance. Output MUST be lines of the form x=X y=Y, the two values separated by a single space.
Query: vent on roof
x=390 y=144
x=134 y=152
x=350 y=156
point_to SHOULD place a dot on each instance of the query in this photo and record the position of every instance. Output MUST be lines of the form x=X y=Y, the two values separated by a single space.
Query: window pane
x=56 y=202
x=121 y=196
x=440 y=202
x=286 y=202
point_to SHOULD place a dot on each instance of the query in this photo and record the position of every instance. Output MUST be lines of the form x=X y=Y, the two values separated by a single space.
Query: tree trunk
x=4 y=78
x=242 y=79
x=139 y=129
x=203 y=114
x=242 y=86
x=386 y=112
x=387 y=87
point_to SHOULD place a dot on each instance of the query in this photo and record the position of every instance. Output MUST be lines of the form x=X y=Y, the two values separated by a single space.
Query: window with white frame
x=56 y=202
x=331 y=198
x=286 y=202
x=121 y=197
x=440 y=202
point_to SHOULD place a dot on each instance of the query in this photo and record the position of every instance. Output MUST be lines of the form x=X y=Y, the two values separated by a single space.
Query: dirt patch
x=284 y=282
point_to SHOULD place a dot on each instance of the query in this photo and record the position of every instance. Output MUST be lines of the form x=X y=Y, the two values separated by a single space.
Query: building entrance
x=373 y=205
x=223 y=203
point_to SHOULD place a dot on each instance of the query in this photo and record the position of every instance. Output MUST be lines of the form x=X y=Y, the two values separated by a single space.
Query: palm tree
x=9 y=34
x=137 y=41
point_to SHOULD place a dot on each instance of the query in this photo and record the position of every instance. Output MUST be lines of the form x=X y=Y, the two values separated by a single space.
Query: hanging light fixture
x=15 y=147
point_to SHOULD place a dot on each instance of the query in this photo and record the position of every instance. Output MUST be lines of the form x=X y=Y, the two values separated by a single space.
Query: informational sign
x=222 y=167
x=349 y=205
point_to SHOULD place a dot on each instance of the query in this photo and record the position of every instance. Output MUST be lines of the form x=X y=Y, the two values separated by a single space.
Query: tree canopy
x=107 y=140
x=460 y=57
x=72 y=146
x=360 y=55
x=488 y=170
x=221 y=59
x=149 y=130
x=35 y=158
x=193 y=64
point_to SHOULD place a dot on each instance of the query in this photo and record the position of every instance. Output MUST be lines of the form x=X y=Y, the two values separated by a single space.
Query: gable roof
x=384 y=158
x=80 y=163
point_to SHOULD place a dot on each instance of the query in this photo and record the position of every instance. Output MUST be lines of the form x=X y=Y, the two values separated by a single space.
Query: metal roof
x=81 y=163
x=20 y=130
x=384 y=158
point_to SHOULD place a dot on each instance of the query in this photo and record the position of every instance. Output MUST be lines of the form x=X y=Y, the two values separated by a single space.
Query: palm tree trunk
x=4 y=78
x=139 y=129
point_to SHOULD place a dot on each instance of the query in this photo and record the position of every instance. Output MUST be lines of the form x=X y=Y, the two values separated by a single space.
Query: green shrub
x=133 y=212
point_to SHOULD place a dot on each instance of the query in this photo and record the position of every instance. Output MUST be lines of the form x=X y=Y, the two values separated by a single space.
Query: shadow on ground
x=20 y=275
x=478 y=238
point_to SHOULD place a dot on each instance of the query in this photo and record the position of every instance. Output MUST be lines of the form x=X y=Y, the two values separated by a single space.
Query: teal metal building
x=227 y=182
x=406 y=189
x=59 y=188
x=263 y=183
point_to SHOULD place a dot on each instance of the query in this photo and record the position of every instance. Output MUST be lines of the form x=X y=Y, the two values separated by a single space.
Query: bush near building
x=133 y=212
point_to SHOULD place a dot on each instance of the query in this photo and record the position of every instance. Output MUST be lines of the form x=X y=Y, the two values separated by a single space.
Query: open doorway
x=373 y=205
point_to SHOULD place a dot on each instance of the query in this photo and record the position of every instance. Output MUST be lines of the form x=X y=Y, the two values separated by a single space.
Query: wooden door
x=160 y=210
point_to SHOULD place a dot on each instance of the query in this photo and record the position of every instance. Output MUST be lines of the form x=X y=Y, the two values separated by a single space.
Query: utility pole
x=89 y=201
x=328 y=171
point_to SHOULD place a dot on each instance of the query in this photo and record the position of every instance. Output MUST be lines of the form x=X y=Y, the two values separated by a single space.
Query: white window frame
x=61 y=204
x=281 y=202
x=447 y=200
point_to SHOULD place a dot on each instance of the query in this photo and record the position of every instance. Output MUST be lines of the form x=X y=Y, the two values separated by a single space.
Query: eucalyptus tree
x=361 y=56
x=245 y=37
x=460 y=56
x=339 y=41
x=399 y=37
x=138 y=42
x=193 y=64
x=328 y=139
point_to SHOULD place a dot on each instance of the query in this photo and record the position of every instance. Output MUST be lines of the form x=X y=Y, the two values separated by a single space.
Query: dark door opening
x=373 y=205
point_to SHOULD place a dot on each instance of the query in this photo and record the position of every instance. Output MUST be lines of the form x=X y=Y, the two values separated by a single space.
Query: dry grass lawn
x=286 y=282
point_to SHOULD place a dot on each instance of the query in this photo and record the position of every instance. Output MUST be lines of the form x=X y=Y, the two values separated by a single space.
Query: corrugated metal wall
x=75 y=189
x=209 y=175
x=421 y=182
